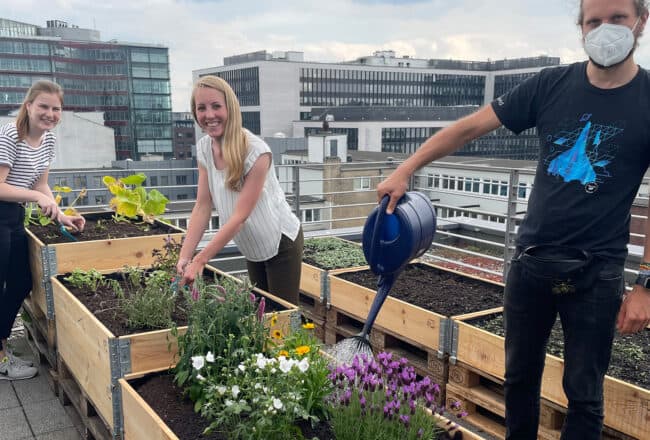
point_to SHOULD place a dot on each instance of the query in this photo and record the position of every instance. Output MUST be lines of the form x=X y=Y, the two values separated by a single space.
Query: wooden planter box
x=417 y=325
x=314 y=282
x=96 y=358
x=47 y=260
x=143 y=423
x=627 y=406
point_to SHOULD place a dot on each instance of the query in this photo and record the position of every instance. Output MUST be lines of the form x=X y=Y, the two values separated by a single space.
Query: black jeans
x=588 y=318
x=15 y=274
x=280 y=275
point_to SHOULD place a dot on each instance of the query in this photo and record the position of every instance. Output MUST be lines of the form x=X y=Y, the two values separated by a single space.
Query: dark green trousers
x=280 y=275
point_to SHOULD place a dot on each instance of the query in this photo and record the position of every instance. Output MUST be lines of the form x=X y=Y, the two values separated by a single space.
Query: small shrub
x=89 y=279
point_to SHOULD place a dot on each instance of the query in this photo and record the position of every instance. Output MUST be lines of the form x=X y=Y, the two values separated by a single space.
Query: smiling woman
x=26 y=152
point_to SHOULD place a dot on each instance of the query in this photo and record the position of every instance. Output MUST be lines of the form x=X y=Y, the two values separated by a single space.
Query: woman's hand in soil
x=192 y=270
x=634 y=315
x=48 y=206
x=76 y=222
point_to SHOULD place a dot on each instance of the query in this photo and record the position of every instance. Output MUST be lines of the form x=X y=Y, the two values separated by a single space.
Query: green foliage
x=150 y=300
x=226 y=319
x=131 y=199
x=89 y=279
x=264 y=396
x=34 y=215
x=332 y=253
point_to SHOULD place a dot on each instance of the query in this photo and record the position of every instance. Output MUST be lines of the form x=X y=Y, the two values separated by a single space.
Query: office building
x=184 y=135
x=281 y=92
x=127 y=82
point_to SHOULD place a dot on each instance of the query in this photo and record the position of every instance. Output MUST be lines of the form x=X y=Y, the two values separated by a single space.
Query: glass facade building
x=128 y=83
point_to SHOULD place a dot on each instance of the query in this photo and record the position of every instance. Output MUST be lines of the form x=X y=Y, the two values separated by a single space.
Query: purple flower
x=362 y=401
x=405 y=419
x=252 y=297
x=260 y=309
x=420 y=432
x=195 y=293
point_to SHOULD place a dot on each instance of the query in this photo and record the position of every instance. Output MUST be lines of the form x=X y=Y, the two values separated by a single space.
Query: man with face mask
x=593 y=119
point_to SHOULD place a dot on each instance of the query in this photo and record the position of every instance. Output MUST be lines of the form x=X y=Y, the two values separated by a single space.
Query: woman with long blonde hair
x=26 y=153
x=236 y=176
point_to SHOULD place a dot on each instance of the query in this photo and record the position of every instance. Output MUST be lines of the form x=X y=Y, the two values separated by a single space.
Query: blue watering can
x=390 y=242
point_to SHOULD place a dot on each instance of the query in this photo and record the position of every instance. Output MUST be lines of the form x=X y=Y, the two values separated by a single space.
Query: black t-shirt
x=595 y=149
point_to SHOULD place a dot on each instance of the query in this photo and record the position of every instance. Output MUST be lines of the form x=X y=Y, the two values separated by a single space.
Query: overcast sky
x=200 y=33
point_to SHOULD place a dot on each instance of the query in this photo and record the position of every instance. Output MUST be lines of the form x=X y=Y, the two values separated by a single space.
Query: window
x=215 y=223
x=181 y=196
x=182 y=223
x=523 y=191
x=153 y=180
x=362 y=183
x=181 y=180
x=164 y=180
x=310 y=215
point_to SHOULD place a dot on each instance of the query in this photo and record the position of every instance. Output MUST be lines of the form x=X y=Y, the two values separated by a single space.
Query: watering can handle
x=375 y=242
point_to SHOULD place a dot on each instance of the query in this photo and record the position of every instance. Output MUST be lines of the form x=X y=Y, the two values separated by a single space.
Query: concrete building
x=184 y=135
x=281 y=92
x=82 y=141
x=127 y=82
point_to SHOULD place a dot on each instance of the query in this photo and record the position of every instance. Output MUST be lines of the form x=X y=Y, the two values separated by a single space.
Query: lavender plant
x=381 y=398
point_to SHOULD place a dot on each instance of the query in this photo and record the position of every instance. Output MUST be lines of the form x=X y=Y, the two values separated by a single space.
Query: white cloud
x=200 y=33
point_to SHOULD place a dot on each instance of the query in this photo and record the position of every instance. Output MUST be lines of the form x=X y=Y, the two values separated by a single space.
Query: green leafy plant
x=34 y=215
x=224 y=318
x=131 y=200
x=331 y=253
x=266 y=394
x=89 y=279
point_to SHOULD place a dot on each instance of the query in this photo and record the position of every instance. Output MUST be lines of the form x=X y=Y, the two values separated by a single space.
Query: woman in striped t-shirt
x=26 y=152
x=236 y=176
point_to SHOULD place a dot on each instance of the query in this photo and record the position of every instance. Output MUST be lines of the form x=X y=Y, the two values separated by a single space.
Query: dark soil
x=165 y=398
x=630 y=353
x=101 y=226
x=105 y=306
x=436 y=290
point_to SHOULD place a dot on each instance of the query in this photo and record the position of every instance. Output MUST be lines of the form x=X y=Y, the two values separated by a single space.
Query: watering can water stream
x=390 y=242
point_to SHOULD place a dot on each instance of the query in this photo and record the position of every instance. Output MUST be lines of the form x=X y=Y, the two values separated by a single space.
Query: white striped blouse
x=26 y=164
x=259 y=238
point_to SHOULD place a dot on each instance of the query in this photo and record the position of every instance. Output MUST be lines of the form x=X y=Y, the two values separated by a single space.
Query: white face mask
x=609 y=44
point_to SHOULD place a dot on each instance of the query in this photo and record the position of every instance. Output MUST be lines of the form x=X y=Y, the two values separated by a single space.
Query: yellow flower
x=274 y=320
x=308 y=326
x=284 y=353
x=277 y=334
x=302 y=350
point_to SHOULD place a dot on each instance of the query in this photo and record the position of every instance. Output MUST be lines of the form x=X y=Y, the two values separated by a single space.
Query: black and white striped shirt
x=26 y=164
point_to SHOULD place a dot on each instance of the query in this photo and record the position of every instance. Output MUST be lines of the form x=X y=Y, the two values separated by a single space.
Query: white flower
x=199 y=377
x=228 y=402
x=235 y=391
x=242 y=367
x=257 y=386
x=198 y=362
x=261 y=362
x=221 y=390
x=303 y=365
x=277 y=403
x=209 y=357
x=273 y=370
x=285 y=365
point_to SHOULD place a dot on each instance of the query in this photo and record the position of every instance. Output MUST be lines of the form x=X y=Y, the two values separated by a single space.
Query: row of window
x=96 y=100
x=22 y=81
x=154 y=131
x=24 y=48
x=90 y=53
x=154 y=146
x=405 y=139
x=90 y=69
x=149 y=56
x=151 y=86
x=474 y=185
x=93 y=85
x=150 y=71
x=388 y=77
x=504 y=83
x=152 y=101
x=153 y=116
x=352 y=133
x=25 y=65
x=251 y=121
x=245 y=83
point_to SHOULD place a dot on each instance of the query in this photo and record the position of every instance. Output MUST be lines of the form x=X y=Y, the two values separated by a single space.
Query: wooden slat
x=140 y=421
x=411 y=322
x=310 y=280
